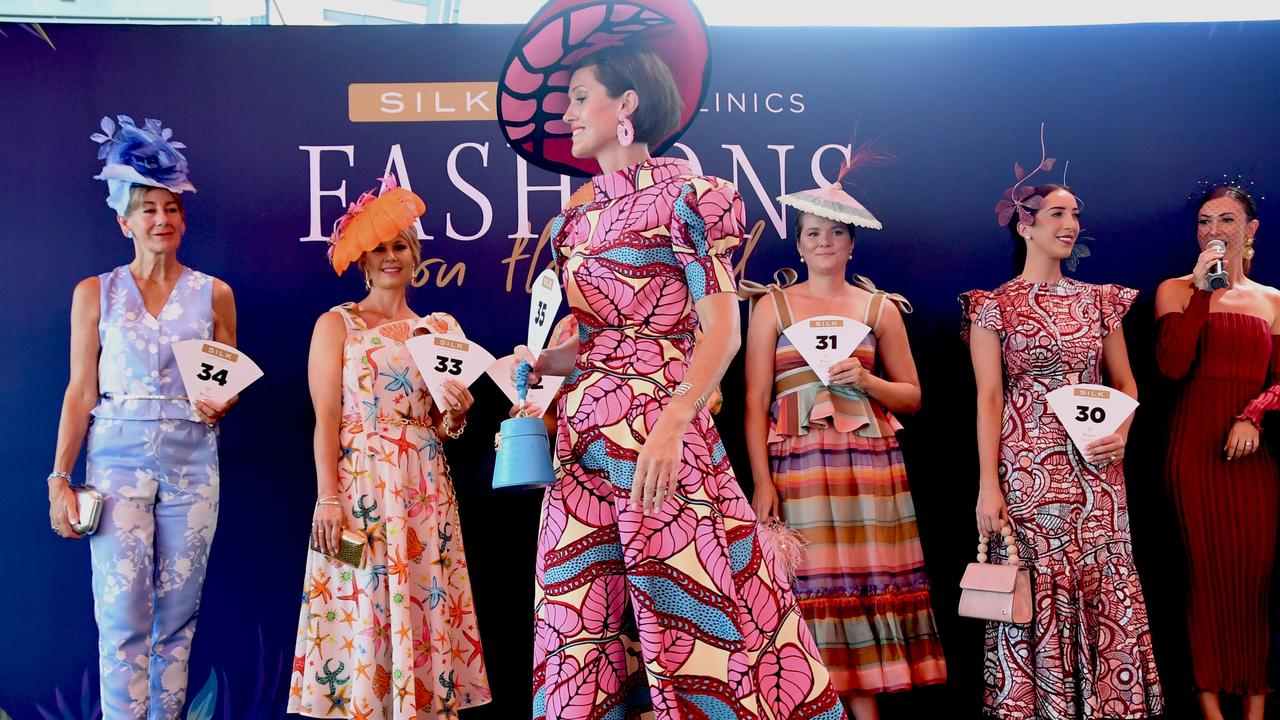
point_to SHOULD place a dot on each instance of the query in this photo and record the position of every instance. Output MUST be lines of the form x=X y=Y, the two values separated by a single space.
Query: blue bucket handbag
x=524 y=453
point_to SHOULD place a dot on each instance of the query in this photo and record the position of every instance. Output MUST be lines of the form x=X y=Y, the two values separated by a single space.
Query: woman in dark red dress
x=1221 y=345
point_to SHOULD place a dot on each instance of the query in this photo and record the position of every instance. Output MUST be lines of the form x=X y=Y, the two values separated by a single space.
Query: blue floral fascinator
x=139 y=156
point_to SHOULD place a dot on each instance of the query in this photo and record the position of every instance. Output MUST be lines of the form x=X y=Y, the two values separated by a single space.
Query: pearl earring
x=801 y=259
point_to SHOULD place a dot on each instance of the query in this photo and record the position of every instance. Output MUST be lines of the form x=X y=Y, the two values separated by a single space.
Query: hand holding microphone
x=1211 y=268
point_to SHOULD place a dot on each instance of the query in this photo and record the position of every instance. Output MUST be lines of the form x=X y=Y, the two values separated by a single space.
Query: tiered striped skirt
x=862 y=586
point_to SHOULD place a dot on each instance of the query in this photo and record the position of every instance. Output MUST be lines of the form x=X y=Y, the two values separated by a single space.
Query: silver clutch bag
x=89 y=502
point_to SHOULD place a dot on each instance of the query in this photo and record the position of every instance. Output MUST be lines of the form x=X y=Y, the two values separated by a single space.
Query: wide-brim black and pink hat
x=533 y=90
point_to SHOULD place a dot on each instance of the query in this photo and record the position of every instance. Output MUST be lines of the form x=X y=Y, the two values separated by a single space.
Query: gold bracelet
x=447 y=427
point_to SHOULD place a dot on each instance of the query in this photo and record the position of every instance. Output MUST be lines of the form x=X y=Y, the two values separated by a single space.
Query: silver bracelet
x=683 y=389
x=59 y=474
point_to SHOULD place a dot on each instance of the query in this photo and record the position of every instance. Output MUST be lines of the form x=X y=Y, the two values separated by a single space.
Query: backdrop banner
x=286 y=126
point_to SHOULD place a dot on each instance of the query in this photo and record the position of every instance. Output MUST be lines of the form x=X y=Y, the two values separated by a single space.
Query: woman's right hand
x=992 y=511
x=522 y=352
x=1207 y=257
x=765 y=501
x=64 y=508
x=326 y=528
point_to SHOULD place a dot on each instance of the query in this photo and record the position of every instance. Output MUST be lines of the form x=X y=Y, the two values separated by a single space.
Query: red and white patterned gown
x=1087 y=652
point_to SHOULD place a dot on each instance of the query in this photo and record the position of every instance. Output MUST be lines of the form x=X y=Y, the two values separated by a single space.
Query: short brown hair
x=621 y=68
x=138 y=193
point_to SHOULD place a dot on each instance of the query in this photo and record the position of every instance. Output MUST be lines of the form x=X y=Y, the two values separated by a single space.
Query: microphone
x=1217 y=277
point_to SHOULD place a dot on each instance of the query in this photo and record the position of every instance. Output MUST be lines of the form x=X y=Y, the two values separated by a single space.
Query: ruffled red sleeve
x=1270 y=398
x=1114 y=302
x=979 y=307
x=1179 y=335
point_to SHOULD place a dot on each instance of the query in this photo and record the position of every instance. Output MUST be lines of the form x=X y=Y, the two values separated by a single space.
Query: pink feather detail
x=787 y=544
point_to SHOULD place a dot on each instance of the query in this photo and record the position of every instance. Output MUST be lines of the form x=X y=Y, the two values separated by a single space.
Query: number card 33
x=447 y=357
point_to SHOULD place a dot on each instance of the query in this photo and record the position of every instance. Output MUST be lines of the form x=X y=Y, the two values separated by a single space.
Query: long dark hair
x=1020 y=245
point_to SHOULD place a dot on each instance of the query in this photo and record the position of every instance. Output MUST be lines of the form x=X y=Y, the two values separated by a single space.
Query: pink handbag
x=1001 y=593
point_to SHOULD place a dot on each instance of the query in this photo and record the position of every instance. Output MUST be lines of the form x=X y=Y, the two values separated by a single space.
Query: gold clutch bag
x=350 y=549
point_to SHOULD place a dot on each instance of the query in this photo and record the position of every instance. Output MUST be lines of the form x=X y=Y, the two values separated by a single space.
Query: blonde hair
x=410 y=236
x=138 y=195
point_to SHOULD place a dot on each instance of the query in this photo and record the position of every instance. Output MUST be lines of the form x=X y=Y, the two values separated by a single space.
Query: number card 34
x=213 y=370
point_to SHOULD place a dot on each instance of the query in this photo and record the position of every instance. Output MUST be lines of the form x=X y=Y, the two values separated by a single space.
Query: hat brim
x=533 y=89
x=832 y=203
x=124 y=173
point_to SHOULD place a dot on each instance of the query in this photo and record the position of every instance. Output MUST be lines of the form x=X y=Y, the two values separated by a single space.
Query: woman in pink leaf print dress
x=1087 y=651
x=654 y=598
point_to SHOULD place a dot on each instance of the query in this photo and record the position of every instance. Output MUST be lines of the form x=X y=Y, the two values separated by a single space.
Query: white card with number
x=540 y=395
x=1089 y=412
x=447 y=357
x=543 y=306
x=826 y=340
x=213 y=370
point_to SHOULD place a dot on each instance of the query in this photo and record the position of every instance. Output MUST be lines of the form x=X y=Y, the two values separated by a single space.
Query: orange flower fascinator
x=372 y=220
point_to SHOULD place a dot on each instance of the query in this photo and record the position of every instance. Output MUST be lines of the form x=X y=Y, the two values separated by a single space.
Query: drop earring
x=626 y=132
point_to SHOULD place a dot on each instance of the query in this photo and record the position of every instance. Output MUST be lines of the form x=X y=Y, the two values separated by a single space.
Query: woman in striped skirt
x=825 y=460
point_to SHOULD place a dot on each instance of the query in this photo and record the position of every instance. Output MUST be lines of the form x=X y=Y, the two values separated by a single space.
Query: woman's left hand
x=457 y=399
x=1106 y=449
x=658 y=465
x=849 y=372
x=1242 y=440
x=211 y=411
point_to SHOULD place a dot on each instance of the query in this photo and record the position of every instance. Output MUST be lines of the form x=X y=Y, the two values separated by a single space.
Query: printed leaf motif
x=613 y=349
x=740 y=676
x=588 y=498
x=676 y=650
x=604 y=593
x=648 y=357
x=651 y=209
x=710 y=543
x=660 y=535
x=762 y=614
x=562 y=618
x=662 y=300
x=604 y=403
x=606 y=294
x=611 y=670
x=785 y=679
x=575 y=688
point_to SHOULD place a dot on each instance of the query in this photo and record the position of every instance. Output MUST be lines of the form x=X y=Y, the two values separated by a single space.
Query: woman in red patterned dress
x=1087 y=651
x=1221 y=345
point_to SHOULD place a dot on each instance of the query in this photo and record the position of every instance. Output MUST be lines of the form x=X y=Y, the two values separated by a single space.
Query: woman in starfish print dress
x=654 y=597
x=1087 y=651
x=396 y=638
